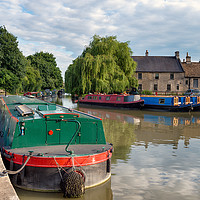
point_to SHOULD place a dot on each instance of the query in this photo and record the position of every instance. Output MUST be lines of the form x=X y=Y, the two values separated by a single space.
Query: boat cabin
x=26 y=122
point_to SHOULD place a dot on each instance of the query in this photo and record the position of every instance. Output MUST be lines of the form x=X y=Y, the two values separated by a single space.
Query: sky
x=65 y=27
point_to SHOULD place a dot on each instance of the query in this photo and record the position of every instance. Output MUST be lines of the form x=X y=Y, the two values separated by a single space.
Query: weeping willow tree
x=104 y=66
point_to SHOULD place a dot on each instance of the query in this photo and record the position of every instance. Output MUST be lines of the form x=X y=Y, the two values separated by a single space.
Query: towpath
x=7 y=191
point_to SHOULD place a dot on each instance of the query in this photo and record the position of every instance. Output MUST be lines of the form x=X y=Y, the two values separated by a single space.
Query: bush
x=146 y=92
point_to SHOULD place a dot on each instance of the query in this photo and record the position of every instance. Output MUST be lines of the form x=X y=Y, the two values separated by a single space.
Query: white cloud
x=161 y=26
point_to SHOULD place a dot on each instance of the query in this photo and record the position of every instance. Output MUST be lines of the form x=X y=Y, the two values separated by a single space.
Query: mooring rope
x=5 y=172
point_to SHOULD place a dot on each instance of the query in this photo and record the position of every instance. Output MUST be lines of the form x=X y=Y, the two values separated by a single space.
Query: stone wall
x=148 y=81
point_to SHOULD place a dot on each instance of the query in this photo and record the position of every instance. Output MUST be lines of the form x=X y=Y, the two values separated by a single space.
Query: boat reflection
x=125 y=128
x=135 y=117
x=100 y=192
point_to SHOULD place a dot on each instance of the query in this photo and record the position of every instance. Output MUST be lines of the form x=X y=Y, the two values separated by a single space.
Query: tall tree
x=12 y=60
x=50 y=73
x=105 y=66
x=32 y=80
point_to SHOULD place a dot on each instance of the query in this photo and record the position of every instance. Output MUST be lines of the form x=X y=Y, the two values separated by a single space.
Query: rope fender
x=73 y=183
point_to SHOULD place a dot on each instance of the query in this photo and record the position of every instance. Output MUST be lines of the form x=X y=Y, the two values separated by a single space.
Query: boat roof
x=24 y=108
x=100 y=94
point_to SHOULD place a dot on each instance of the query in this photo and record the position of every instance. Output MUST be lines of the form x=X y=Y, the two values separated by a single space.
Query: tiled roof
x=191 y=69
x=158 y=64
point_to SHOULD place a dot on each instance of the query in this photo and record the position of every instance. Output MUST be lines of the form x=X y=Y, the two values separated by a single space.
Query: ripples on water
x=156 y=155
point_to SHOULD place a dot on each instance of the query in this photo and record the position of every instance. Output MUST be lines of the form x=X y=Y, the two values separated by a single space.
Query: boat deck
x=59 y=150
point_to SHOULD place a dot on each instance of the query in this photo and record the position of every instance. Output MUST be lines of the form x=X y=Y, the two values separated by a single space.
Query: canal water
x=156 y=156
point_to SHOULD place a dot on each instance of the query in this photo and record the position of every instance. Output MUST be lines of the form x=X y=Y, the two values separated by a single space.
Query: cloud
x=63 y=26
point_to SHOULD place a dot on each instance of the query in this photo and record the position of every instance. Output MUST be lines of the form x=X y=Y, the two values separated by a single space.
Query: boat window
x=89 y=97
x=161 y=101
x=95 y=98
x=107 y=98
x=99 y=98
x=118 y=98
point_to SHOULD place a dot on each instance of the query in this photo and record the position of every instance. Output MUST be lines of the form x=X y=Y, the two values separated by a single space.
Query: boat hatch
x=24 y=110
x=46 y=107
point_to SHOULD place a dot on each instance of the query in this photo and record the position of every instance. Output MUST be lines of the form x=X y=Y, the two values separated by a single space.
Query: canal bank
x=7 y=191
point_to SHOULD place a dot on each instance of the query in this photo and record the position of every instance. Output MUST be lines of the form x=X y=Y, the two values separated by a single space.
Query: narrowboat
x=47 y=147
x=113 y=100
x=32 y=94
x=171 y=103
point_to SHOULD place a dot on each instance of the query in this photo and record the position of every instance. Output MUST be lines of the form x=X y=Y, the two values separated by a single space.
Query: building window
x=186 y=82
x=172 y=76
x=140 y=87
x=195 y=83
x=139 y=75
x=155 y=87
x=156 y=76
x=168 y=87
x=177 y=87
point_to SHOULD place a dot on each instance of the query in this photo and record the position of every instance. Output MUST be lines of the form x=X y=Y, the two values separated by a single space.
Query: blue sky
x=65 y=27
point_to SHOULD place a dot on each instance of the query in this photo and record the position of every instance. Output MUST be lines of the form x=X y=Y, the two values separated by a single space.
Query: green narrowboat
x=47 y=147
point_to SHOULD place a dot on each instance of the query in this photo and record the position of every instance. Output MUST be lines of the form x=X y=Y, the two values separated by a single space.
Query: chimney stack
x=177 y=54
x=188 y=58
x=146 y=53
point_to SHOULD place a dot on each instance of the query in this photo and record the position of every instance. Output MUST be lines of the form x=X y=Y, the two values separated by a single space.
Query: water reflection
x=156 y=154
x=100 y=192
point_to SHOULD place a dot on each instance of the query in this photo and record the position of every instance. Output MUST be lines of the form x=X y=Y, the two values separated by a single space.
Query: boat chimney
x=177 y=54
x=146 y=53
x=188 y=59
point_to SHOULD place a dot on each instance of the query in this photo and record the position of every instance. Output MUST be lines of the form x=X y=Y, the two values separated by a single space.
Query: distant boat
x=61 y=92
x=171 y=103
x=32 y=94
x=113 y=100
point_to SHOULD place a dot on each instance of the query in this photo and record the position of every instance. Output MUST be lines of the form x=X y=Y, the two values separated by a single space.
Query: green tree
x=32 y=81
x=50 y=73
x=8 y=80
x=11 y=60
x=105 y=66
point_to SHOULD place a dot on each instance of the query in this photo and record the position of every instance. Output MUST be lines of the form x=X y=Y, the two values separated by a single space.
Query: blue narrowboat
x=171 y=103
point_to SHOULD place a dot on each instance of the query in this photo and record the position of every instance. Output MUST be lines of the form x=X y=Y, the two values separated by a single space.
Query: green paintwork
x=19 y=131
